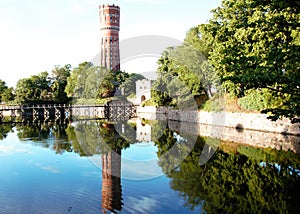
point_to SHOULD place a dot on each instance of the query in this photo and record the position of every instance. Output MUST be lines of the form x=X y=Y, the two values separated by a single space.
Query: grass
x=220 y=103
x=90 y=101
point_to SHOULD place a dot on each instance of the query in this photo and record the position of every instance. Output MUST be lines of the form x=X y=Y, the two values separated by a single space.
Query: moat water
x=148 y=167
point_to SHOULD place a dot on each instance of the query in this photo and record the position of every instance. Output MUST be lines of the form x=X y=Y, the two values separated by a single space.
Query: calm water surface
x=77 y=168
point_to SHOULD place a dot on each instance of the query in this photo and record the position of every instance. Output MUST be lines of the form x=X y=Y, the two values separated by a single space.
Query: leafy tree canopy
x=6 y=94
x=36 y=88
x=183 y=74
x=256 y=45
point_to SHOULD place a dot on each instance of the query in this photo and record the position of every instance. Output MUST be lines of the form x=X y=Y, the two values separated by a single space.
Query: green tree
x=181 y=76
x=8 y=95
x=35 y=89
x=77 y=80
x=108 y=84
x=120 y=76
x=129 y=85
x=59 y=77
x=256 y=45
x=90 y=82
x=3 y=87
x=200 y=40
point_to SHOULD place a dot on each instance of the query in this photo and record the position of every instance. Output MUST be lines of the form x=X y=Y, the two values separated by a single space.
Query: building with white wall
x=143 y=90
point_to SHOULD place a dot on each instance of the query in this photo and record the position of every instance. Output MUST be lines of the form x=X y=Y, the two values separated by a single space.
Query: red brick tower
x=109 y=29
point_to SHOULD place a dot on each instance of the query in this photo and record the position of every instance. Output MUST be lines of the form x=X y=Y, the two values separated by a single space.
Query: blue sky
x=38 y=34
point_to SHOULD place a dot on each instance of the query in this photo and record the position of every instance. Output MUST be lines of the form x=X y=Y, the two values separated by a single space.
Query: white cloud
x=11 y=149
x=141 y=205
x=50 y=169
x=140 y=170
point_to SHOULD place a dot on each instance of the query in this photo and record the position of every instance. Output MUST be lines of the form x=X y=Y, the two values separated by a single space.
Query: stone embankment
x=251 y=129
x=242 y=121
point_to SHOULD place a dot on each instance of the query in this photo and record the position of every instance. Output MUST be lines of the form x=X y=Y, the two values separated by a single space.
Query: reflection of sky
x=140 y=162
x=140 y=152
x=36 y=180
x=278 y=167
x=150 y=196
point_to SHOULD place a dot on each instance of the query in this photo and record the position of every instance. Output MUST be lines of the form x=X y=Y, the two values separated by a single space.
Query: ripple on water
x=58 y=200
x=79 y=200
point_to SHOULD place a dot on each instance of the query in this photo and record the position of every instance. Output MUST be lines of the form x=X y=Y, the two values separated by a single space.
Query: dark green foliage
x=3 y=87
x=256 y=45
x=6 y=94
x=59 y=83
x=35 y=89
x=176 y=82
x=43 y=88
x=84 y=81
x=91 y=82
x=184 y=72
x=108 y=84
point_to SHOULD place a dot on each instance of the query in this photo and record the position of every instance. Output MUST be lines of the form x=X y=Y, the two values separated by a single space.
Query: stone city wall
x=242 y=121
x=248 y=137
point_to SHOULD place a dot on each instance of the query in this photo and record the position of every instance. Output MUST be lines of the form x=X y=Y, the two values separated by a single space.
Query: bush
x=215 y=103
x=258 y=100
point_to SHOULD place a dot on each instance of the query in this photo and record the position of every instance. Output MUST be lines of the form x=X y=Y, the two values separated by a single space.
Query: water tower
x=109 y=30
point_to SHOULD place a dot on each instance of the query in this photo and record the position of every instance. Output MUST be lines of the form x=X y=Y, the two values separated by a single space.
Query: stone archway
x=143 y=98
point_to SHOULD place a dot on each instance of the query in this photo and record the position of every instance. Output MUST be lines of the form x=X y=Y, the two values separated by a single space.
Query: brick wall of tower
x=109 y=30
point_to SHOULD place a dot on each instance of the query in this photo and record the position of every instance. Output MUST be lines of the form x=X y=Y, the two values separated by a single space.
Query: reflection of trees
x=50 y=135
x=4 y=130
x=33 y=132
x=112 y=138
x=96 y=138
x=86 y=138
x=173 y=149
x=236 y=183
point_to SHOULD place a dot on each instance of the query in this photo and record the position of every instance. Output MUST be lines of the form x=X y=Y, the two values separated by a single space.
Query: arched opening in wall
x=143 y=98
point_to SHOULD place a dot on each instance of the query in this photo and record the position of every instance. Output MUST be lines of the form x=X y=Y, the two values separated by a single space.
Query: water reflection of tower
x=111 y=181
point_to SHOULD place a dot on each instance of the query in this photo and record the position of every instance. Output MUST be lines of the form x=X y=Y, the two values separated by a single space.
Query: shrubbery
x=258 y=100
